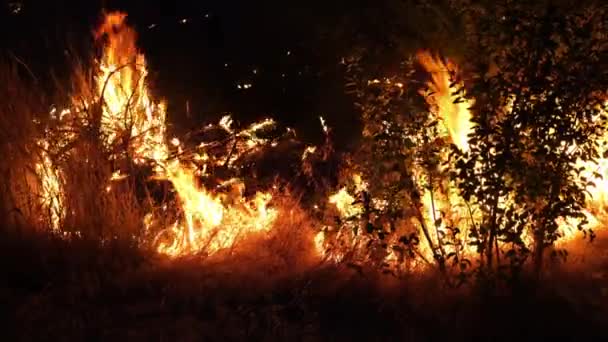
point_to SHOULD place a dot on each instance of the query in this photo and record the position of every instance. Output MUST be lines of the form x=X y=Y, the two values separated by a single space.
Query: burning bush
x=534 y=166
x=475 y=169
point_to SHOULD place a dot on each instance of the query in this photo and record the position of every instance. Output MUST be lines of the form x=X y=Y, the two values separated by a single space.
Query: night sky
x=200 y=52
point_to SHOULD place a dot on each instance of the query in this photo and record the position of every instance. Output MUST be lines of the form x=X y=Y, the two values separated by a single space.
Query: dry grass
x=90 y=210
x=18 y=110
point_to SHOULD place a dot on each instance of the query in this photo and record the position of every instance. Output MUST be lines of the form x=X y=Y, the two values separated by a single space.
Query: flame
x=345 y=203
x=597 y=193
x=455 y=116
x=209 y=224
x=213 y=222
x=324 y=125
x=457 y=119
x=307 y=151
x=127 y=106
x=212 y=219
x=444 y=207
x=51 y=197
x=128 y=115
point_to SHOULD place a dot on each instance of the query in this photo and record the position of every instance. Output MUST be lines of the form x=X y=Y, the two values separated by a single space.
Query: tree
x=538 y=78
x=401 y=154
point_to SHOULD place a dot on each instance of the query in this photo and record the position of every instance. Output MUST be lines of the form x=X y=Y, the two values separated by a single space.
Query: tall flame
x=129 y=117
x=127 y=106
x=456 y=116
x=209 y=225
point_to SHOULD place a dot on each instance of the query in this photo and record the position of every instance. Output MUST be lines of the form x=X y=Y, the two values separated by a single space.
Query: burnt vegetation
x=470 y=207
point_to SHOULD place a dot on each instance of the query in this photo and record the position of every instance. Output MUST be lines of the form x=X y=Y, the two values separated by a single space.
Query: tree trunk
x=492 y=237
x=538 y=253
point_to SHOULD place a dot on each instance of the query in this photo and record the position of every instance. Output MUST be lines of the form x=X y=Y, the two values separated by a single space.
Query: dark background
x=289 y=52
x=295 y=47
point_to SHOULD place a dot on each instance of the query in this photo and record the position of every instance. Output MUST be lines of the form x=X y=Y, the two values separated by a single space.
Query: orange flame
x=51 y=199
x=214 y=221
x=128 y=112
x=456 y=116
x=127 y=106
x=209 y=224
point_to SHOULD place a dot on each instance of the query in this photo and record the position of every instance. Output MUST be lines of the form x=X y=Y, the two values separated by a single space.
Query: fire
x=127 y=106
x=598 y=173
x=344 y=202
x=457 y=119
x=456 y=116
x=214 y=221
x=442 y=205
x=129 y=117
x=51 y=188
x=308 y=151
x=209 y=224
x=597 y=194
x=131 y=127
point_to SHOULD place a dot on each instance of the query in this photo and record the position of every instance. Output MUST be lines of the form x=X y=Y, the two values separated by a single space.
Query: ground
x=53 y=290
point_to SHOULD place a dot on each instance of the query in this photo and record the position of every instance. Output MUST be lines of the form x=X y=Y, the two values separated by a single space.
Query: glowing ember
x=307 y=151
x=344 y=202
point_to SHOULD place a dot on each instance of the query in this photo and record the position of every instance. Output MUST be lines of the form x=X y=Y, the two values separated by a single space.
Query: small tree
x=401 y=152
x=537 y=75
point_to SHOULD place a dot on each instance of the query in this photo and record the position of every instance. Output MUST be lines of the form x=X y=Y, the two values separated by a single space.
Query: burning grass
x=107 y=212
x=95 y=160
